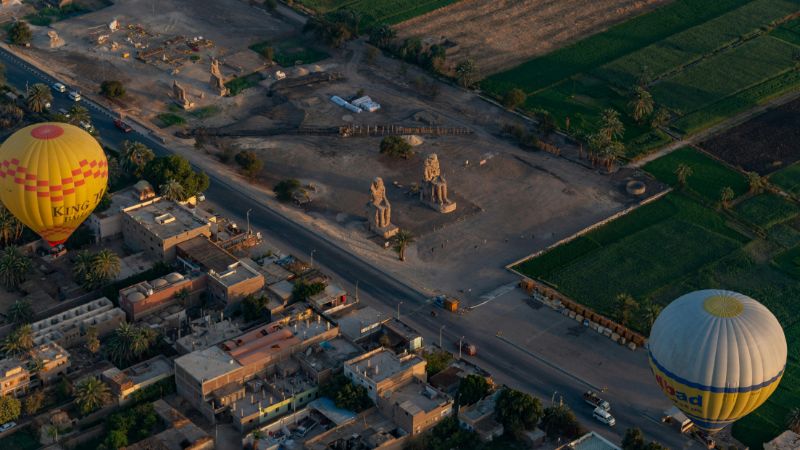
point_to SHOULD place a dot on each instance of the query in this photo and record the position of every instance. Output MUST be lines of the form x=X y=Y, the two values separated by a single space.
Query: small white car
x=75 y=96
x=201 y=197
x=7 y=426
x=59 y=87
x=86 y=126
x=604 y=416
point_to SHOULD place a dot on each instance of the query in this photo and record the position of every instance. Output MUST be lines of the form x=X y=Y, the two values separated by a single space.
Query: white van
x=603 y=416
x=75 y=96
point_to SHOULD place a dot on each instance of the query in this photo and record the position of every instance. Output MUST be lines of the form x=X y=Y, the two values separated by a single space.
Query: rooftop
x=331 y=291
x=356 y=323
x=382 y=363
x=330 y=354
x=206 y=332
x=417 y=397
x=274 y=338
x=10 y=367
x=282 y=289
x=137 y=374
x=274 y=273
x=140 y=291
x=234 y=274
x=371 y=432
x=207 y=364
x=49 y=352
x=592 y=441
x=207 y=254
x=123 y=199
x=401 y=329
x=164 y=218
x=273 y=390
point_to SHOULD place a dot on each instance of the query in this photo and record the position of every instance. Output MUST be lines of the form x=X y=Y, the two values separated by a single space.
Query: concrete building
x=54 y=359
x=14 y=377
x=480 y=418
x=157 y=226
x=401 y=336
x=124 y=383
x=148 y=297
x=370 y=431
x=180 y=433
x=590 y=441
x=214 y=378
x=207 y=332
x=381 y=370
x=359 y=323
x=321 y=361
x=331 y=299
x=788 y=440
x=448 y=379
x=415 y=406
x=108 y=224
x=69 y=327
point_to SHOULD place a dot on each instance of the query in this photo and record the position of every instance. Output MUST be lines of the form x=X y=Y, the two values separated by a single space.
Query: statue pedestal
x=187 y=105
x=443 y=208
x=384 y=232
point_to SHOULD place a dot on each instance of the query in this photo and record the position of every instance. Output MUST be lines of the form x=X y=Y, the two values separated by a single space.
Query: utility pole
x=398 y=309
x=248 y=221
x=312 y=257
x=440 y=336
x=460 y=343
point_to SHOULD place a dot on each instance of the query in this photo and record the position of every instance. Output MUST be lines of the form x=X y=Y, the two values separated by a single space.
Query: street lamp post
x=398 y=310
x=248 y=221
x=440 y=336
x=460 y=343
x=312 y=257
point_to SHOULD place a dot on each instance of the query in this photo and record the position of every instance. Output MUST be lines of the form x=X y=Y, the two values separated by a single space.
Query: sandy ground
x=499 y=34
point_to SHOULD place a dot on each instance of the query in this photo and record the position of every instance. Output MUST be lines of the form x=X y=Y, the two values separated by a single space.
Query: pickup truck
x=593 y=399
x=122 y=126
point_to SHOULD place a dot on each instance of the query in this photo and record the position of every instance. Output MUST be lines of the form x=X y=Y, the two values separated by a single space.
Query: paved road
x=507 y=363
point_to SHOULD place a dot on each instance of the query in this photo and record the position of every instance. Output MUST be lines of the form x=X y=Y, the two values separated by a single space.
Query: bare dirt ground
x=499 y=34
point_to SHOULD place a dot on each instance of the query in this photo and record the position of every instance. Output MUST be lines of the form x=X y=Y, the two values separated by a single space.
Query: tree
x=105 y=267
x=20 y=33
x=64 y=389
x=641 y=104
x=725 y=196
x=92 y=340
x=112 y=89
x=33 y=402
x=660 y=118
x=514 y=98
x=683 y=172
x=162 y=169
x=39 y=97
x=559 y=420
x=793 y=420
x=268 y=53
x=756 y=182
x=471 y=389
x=10 y=227
x=136 y=156
x=92 y=394
x=517 y=411
x=402 y=240
x=20 y=312
x=78 y=114
x=611 y=126
x=14 y=267
x=19 y=341
x=172 y=190
x=396 y=147
x=10 y=115
x=547 y=124
x=250 y=163
x=382 y=35
x=650 y=312
x=303 y=290
x=633 y=439
x=284 y=190
x=254 y=308
x=346 y=394
x=625 y=307
x=437 y=361
x=129 y=342
x=10 y=408
x=465 y=72
x=82 y=266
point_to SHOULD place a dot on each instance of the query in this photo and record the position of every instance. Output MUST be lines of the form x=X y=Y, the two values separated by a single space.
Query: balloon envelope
x=52 y=175
x=718 y=355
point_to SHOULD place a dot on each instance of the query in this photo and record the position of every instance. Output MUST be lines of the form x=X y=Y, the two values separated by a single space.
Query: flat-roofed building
x=213 y=379
x=14 y=377
x=124 y=383
x=382 y=370
x=415 y=406
x=590 y=441
x=480 y=418
x=69 y=328
x=180 y=434
x=158 y=225
x=107 y=224
x=361 y=322
x=322 y=360
x=371 y=431
x=207 y=332
x=148 y=297
x=54 y=360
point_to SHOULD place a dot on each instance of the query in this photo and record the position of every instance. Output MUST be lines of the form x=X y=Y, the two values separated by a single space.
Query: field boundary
x=572 y=237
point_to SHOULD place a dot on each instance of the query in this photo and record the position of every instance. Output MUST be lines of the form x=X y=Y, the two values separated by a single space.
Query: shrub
x=396 y=147
x=112 y=89
x=20 y=34
x=514 y=98
x=249 y=162
x=285 y=189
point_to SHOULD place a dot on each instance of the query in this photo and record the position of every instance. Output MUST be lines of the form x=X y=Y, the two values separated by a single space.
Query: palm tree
x=401 y=240
x=78 y=114
x=683 y=172
x=625 y=306
x=793 y=420
x=92 y=341
x=92 y=394
x=725 y=196
x=756 y=182
x=105 y=266
x=172 y=190
x=129 y=342
x=136 y=156
x=10 y=115
x=21 y=312
x=641 y=104
x=19 y=341
x=114 y=170
x=660 y=118
x=82 y=266
x=611 y=152
x=611 y=126
x=14 y=267
x=650 y=313
x=10 y=227
x=465 y=72
x=39 y=97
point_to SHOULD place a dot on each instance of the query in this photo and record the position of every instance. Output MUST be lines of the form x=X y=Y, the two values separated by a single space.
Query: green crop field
x=289 y=52
x=709 y=176
x=379 y=11
x=788 y=179
x=767 y=210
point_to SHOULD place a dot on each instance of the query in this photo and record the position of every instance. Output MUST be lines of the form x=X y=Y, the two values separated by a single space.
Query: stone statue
x=55 y=39
x=217 y=81
x=380 y=210
x=179 y=95
x=433 y=191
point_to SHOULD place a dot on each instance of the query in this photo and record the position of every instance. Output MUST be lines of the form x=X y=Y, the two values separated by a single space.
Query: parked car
x=467 y=348
x=122 y=126
x=63 y=112
x=7 y=426
x=87 y=126
x=604 y=416
x=201 y=197
x=59 y=87
x=75 y=96
x=593 y=399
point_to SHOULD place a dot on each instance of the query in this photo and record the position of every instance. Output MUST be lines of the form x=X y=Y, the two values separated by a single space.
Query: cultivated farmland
x=379 y=11
x=708 y=177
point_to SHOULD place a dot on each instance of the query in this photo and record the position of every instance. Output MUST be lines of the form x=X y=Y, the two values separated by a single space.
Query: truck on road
x=593 y=399
x=448 y=303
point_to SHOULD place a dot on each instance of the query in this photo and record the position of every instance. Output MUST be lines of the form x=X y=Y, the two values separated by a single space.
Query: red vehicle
x=122 y=126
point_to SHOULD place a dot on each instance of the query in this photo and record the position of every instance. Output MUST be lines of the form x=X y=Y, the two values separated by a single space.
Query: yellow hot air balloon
x=718 y=355
x=52 y=175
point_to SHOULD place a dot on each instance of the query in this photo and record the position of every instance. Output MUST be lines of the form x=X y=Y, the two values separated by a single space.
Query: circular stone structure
x=636 y=187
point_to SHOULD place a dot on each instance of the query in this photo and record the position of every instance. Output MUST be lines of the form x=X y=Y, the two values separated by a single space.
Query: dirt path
x=499 y=34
